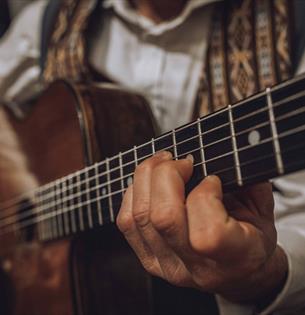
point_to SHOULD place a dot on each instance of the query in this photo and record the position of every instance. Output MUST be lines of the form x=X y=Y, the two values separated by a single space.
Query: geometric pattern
x=66 y=57
x=249 y=50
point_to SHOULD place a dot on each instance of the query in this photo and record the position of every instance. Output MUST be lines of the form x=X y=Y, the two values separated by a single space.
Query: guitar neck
x=254 y=140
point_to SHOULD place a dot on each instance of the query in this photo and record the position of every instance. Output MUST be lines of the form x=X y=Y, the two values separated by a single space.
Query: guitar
x=83 y=145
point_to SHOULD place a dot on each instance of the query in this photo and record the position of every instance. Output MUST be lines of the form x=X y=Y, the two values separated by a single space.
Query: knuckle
x=208 y=242
x=145 y=166
x=163 y=219
x=141 y=213
x=124 y=222
x=151 y=266
x=198 y=195
x=176 y=274
x=165 y=168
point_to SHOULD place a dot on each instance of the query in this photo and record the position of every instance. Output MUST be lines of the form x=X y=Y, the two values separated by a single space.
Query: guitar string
x=47 y=186
x=43 y=217
x=52 y=184
x=68 y=188
x=81 y=172
x=169 y=147
x=57 y=236
x=281 y=85
x=107 y=183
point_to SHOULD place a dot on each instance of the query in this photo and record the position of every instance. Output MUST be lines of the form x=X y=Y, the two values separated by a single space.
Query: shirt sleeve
x=19 y=56
x=290 y=223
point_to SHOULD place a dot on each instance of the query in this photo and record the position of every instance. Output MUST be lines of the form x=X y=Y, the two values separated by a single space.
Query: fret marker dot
x=254 y=137
x=104 y=191
x=129 y=181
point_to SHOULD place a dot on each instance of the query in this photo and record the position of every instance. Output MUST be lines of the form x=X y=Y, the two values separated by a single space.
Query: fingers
x=127 y=226
x=212 y=232
x=259 y=198
x=142 y=189
x=168 y=214
x=134 y=221
x=143 y=200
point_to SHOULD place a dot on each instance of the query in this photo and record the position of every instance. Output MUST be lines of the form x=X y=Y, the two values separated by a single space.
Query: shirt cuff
x=228 y=308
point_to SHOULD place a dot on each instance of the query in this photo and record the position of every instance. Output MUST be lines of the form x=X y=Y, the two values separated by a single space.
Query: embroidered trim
x=66 y=54
x=250 y=49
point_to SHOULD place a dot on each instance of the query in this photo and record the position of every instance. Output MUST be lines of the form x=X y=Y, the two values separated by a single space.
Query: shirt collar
x=126 y=11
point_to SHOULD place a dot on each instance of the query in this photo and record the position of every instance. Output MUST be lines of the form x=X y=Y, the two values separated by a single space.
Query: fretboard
x=254 y=140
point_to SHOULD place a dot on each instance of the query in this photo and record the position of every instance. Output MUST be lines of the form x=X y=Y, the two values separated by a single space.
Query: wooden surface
x=64 y=131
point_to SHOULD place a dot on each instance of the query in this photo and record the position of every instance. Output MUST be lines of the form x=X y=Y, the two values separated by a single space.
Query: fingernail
x=213 y=178
x=164 y=155
x=190 y=158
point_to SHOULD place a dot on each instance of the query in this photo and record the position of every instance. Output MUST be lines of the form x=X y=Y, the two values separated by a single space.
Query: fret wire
x=80 y=193
x=58 y=210
x=282 y=117
x=201 y=119
x=294 y=80
x=80 y=209
x=47 y=223
x=47 y=226
x=50 y=184
x=135 y=153
x=204 y=167
x=54 y=222
x=184 y=141
x=174 y=144
x=234 y=144
x=227 y=183
x=153 y=146
x=73 y=218
x=109 y=191
x=242 y=149
x=276 y=143
x=41 y=232
x=89 y=209
x=99 y=206
x=121 y=172
x=64 y=203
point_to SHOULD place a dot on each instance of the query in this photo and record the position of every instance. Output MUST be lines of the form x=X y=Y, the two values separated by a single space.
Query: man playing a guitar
x=226 y=244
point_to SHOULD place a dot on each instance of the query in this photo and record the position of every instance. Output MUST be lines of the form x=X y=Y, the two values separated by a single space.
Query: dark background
x=4 y=16
x=9 y=9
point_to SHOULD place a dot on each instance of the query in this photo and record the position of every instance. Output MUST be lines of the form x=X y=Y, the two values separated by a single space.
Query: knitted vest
x=249 y=49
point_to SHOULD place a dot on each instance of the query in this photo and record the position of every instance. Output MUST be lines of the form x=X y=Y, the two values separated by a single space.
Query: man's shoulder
x=20 y=49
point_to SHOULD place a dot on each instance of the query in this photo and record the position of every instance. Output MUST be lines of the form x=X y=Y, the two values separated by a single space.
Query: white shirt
x=155 y=61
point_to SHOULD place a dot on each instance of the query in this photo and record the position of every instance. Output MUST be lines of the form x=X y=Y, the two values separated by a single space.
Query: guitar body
x=66 y=130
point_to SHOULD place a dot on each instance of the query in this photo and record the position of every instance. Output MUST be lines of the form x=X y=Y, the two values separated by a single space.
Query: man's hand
x=221 y=244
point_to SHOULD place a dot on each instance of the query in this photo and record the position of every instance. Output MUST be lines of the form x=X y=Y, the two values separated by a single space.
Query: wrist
x=276 y=270
x=262 y=287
